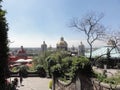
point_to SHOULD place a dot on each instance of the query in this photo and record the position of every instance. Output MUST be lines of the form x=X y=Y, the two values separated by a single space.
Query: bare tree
x=116 y=38
x=112 y=37
x=90 y=25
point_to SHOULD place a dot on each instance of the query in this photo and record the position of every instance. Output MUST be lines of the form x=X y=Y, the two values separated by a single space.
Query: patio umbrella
x=21 y=61
x=29 y=60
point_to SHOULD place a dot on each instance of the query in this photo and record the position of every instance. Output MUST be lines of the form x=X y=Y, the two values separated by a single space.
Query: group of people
x=12 y=85
x=15 y=82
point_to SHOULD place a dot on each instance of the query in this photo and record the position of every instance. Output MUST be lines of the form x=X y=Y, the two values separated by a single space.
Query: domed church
x=21 y=53
x=62 y=44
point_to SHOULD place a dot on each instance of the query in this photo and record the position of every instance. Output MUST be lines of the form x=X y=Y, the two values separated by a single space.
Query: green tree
x=3 y=48
x=81 y=65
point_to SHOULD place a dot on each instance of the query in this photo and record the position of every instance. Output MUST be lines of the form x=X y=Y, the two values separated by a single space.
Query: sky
x=33 y=21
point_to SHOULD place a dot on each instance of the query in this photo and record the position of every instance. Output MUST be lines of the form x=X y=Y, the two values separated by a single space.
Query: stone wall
x=83 y=83
x=64 y=86
x=103 y=86
x=79 y=83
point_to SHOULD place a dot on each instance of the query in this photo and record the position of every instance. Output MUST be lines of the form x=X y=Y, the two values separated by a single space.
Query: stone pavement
x=34 y=83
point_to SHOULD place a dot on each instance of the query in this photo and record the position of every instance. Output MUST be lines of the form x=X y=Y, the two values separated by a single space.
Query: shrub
x=118 y=65
x=56 y=70
x=101 y=77
x=81 y=65
x=23 y=71
x=41 y=71
x=15 y=69
x=100 y=62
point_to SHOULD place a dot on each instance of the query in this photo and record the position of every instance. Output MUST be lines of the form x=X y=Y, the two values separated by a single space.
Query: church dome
x=62 y=42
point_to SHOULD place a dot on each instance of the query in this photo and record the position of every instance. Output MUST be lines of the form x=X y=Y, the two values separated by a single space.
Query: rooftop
x=114 y=52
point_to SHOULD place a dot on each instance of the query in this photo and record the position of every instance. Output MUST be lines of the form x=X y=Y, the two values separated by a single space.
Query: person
x=21 y=77
x=13 y=85
x=16 y=82
x=8 y=84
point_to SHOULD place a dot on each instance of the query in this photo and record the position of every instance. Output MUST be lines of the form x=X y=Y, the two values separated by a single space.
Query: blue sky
x=33 y=21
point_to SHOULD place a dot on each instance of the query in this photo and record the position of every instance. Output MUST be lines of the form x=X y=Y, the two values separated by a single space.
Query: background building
x=62 y=44
x=44 y=47
x=21 y=53
x=81 y=50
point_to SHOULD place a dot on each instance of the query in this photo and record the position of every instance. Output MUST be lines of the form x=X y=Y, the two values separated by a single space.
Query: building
x=18 y=54
x=102 y=51
x=43 y=47
x=81 y=50
x=21 y=53
x=62 y=44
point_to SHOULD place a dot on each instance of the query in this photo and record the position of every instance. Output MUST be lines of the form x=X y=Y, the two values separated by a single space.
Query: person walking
x=21 y=77
x=21 y=80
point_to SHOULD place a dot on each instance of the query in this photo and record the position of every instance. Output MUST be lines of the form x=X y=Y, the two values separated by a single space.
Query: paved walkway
x=110 y=72
x=34 y=83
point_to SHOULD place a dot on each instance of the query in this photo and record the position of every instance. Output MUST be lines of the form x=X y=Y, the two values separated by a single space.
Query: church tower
x=81 y=50
x=44 y=47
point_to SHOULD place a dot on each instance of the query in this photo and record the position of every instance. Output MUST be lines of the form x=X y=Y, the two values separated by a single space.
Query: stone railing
x=29 y=74
x=83 y=83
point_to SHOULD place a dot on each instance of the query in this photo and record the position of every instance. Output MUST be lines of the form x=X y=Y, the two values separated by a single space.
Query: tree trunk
x=53 y=85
